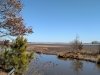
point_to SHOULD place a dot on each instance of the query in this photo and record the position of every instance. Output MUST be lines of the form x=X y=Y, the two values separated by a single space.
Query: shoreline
x=77 y=56
x=88 y=53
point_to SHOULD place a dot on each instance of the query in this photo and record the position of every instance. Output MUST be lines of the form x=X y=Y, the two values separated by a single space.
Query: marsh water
x=51 y=65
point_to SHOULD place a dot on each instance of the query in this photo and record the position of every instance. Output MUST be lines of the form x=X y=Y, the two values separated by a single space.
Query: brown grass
x=88 y=53
x=55 y=49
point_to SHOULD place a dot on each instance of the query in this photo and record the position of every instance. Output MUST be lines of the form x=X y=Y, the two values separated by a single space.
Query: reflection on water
x=77 y=66
x=98 y=67
x=51 y=65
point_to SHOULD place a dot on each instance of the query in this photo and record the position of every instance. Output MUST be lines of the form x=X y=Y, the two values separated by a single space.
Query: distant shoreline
x=51 y=48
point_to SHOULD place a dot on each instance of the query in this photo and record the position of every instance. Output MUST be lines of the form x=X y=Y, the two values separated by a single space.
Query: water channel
x=51 y=65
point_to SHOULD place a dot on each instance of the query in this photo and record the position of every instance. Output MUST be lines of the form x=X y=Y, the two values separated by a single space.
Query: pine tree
x=20 y=57
x=17 y=56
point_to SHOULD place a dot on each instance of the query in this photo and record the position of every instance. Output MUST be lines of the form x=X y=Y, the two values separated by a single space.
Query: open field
x=56 y=48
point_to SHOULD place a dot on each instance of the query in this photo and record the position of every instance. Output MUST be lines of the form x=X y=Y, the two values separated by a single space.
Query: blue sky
x=62 y=20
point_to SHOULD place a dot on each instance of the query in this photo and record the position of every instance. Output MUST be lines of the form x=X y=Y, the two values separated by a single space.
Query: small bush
x=77 y=45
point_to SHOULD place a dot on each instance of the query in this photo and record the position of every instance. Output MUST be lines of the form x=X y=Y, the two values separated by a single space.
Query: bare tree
x=11 y=22
x=77 y=45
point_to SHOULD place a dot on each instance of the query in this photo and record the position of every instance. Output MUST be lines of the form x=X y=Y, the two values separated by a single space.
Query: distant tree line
x=95 y=42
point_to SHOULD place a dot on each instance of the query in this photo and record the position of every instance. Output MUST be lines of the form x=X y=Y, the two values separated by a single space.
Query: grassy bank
x=80 y=56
